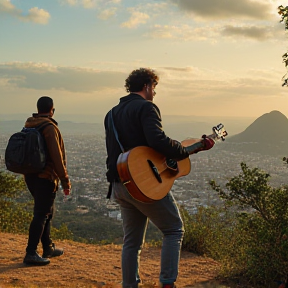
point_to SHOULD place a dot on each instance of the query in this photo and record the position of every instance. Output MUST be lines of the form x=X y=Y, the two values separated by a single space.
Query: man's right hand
x=207 y=142
x=67 y=192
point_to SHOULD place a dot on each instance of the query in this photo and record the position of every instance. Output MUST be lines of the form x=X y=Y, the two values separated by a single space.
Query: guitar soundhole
x=155 y=171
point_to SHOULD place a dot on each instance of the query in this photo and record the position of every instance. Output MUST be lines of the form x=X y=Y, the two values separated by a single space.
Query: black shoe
x=52 y=251
x=35 y=259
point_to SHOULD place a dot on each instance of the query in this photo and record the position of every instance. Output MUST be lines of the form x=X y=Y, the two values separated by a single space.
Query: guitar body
x=149 y=177
x=146 y=175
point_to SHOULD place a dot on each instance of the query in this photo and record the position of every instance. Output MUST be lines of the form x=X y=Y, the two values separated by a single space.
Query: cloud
x=191 y=80
x=35 y=14
x=107 y=13
x=199 y=91
x=88 y=3
x=7 y=7
x=252 y=32
x=214 y=33
x=184 y=32
x=223 y=9
x=178 y=69
x=39 y=76
x=217 y=92
x=69 y=2
x=135 y=19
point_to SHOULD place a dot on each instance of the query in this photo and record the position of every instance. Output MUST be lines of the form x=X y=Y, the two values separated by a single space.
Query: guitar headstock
x=219 y=132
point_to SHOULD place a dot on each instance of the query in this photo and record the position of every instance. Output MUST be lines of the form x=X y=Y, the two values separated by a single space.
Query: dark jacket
x=55 y=168
x=138 y=123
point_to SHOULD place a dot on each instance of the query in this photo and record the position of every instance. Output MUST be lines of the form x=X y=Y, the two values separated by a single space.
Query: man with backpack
x=44 y=185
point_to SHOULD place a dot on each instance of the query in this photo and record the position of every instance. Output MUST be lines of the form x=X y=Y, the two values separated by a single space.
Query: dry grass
x=94 y=266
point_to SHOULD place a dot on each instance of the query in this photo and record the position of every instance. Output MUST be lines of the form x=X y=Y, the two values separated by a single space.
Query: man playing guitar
x=134 y=122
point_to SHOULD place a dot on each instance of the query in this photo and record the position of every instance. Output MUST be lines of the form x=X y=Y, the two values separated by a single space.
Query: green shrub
x=62 y=233
x=16 y=207
x=14 y=217
x=248 y=235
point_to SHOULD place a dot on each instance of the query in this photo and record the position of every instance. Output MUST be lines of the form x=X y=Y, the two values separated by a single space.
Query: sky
x=213 y=57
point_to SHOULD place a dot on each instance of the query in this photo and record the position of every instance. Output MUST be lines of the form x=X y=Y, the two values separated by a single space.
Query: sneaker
x=52 y=251
x=35 y=259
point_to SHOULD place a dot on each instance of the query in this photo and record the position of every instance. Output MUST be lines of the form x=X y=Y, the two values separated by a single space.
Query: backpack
x=26 y=151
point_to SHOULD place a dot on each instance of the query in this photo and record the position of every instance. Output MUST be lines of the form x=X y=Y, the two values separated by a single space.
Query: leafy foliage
x=63 y=233
x=16 y=209
x=263 y=231
x=248 y=235
x=208 y=231
x=283 y=12
x=13 y=217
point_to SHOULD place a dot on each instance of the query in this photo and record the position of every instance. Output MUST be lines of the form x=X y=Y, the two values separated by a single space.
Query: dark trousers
x=43 y=192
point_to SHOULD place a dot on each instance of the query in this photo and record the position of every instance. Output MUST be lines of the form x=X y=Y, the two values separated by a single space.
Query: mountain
x=268 y=128
x=268 y=134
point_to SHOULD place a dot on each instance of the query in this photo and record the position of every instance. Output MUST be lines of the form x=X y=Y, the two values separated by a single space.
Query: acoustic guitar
x=148 y=175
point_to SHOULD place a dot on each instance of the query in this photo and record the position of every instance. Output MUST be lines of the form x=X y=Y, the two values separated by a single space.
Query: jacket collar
x=131 y=96
x=36 y=115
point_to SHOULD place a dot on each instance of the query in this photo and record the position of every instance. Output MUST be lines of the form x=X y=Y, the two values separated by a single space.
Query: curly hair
x=139 y=78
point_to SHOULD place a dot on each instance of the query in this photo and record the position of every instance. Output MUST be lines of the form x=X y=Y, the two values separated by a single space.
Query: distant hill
x=268 y=134
x=177 y=127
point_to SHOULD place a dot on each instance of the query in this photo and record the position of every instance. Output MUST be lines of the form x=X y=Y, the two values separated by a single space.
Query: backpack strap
x=111 y=123
x=41 y=127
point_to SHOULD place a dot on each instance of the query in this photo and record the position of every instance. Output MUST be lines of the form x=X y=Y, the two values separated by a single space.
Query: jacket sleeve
x=155 y=135
x=56 y=152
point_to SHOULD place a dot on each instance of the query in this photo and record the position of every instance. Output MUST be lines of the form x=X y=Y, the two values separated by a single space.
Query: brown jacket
x=55 y=168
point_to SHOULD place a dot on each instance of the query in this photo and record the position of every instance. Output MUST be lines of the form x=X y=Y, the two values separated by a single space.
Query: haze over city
x=214 y=58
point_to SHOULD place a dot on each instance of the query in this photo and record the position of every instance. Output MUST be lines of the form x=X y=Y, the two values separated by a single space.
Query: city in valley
x=86 y=156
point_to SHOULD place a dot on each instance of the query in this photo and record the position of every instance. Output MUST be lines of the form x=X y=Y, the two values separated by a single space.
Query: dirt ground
x=84 y=265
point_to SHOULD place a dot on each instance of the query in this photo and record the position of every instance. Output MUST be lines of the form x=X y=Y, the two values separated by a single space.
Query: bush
x=14 y=217
x=16 y=208
x=63 y=233
x=249 y=234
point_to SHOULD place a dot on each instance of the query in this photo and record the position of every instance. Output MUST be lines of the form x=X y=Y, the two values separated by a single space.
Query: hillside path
x=87 y=265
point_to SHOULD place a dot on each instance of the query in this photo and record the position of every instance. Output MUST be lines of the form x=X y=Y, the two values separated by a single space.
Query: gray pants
x=165 y=215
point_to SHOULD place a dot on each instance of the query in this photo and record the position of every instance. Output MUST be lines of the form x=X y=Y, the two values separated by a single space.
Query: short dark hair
x=139 y=78
x=44 y=104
